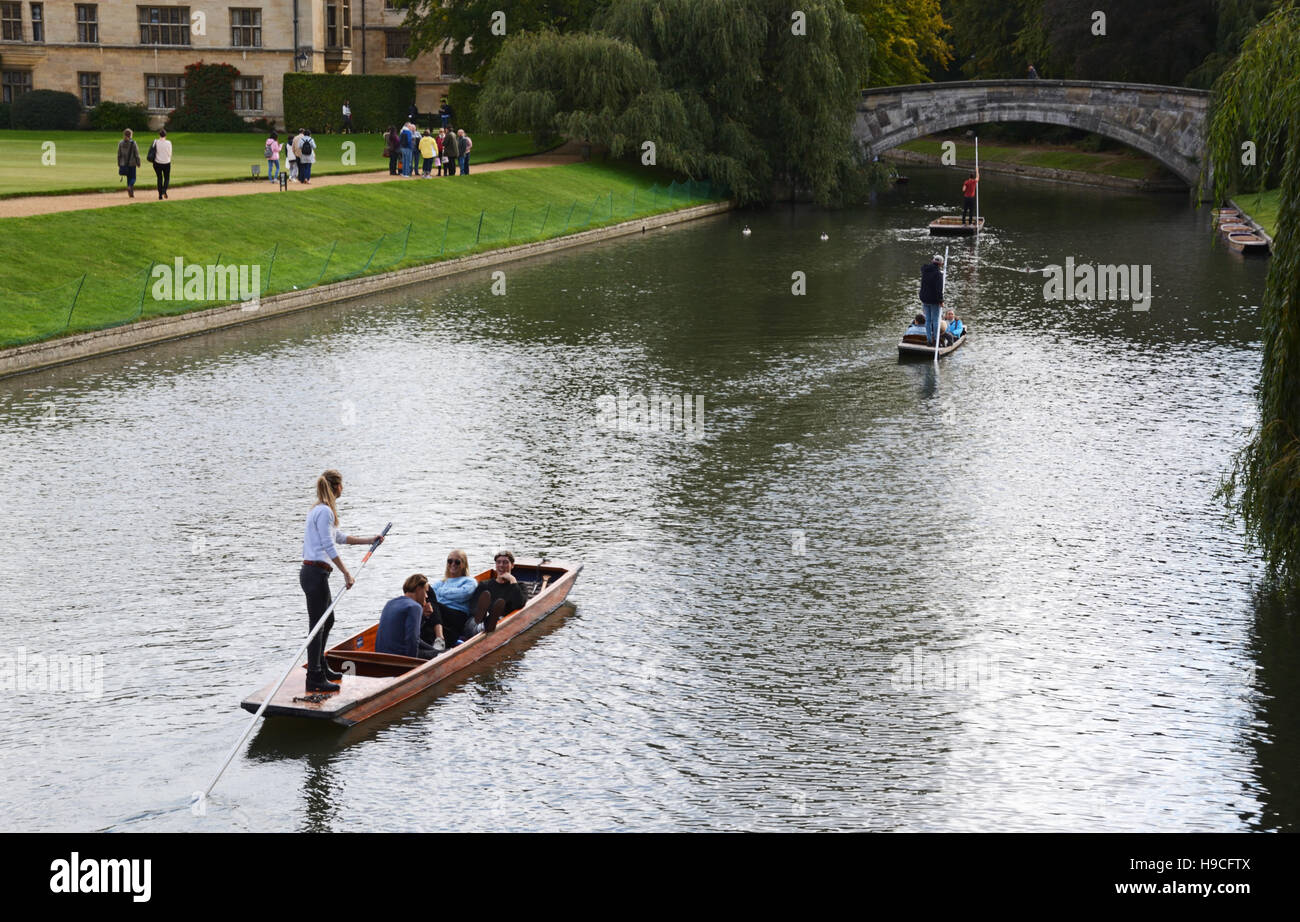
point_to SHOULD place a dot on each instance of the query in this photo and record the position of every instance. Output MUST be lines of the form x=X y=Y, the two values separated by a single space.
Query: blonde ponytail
x=326 y=486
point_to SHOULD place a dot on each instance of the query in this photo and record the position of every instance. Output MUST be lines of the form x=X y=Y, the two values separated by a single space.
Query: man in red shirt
x=968 y=196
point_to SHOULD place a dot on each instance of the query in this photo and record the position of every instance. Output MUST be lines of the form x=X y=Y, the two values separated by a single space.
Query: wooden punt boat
x=374 y=682
x=1251 y=244
x=1226 y=214
x=914 y=346
x=1236 y=227
x=951 y=226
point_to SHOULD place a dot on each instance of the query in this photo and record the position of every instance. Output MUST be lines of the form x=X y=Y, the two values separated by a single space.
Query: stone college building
x=128 y=52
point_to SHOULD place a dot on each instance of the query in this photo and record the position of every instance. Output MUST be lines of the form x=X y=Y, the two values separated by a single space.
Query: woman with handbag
x=128 y=159
x=160 y=155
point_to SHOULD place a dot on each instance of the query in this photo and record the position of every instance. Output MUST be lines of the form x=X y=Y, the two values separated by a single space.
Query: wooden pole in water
x=977 y=190
x=939 y=326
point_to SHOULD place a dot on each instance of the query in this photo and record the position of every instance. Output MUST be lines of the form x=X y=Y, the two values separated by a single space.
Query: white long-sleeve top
x=318 y=543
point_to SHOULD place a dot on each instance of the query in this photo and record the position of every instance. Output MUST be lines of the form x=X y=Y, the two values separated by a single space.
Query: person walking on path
x=318 y=553
x=932 y=296
x=272 y=153
x=160 y=155
x=128 y=161
x=306 y=157
x=347 y=117
x=968 y=196
x=466 y=145
x=290 y=152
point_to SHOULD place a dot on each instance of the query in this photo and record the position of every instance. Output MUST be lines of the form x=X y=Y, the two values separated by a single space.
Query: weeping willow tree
x=747 y=93
x=1258 y=99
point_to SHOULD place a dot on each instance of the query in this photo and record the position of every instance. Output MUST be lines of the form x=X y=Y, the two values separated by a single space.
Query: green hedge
x=209 y=100
x=463 y=99
x=315 y=101
x=6 y=115
x=47 y=110
x=118 y=116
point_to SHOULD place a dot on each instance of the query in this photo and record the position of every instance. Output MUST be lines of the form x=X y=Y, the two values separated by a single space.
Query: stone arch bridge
x=1164 y=122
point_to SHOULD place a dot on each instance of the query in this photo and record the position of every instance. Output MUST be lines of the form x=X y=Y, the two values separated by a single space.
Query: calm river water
x=999 y=595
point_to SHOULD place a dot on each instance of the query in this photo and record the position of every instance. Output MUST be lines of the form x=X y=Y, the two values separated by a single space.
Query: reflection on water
x=995 y=594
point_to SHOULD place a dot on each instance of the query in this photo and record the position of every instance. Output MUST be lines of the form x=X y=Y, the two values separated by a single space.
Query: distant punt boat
x=1250 y=244
x=374 y=682
x=1236 y=228
x=914 y=346
x=951 y=226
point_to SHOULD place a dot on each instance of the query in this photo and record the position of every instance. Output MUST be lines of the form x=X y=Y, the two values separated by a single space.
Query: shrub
x=6 y=115
x=209 y=100
x=46 y=110
x=463 y=99
x=117 y=116
x=315 y=101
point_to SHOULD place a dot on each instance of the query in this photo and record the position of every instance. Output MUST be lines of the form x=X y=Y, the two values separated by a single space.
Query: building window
x=15 y=83
x=164 y=91
x=248 y=94
x=11 y=22
x=38 y=22
x=390 y=6
x=89 y=84
x=164 y=25
x=338 y=25
x=88 y=23
x=245 y=28
x=399 y=42
x=447 y=70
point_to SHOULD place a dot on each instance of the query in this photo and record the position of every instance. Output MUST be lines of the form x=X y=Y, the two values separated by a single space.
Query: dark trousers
x=452 y=620
x=967 y=208
x=315 y=584
x=164 y=173
x=392 y=164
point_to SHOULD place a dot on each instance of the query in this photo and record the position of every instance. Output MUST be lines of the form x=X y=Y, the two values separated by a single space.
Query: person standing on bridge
x=1033 y=74
x=968 y=196
x=932 y=296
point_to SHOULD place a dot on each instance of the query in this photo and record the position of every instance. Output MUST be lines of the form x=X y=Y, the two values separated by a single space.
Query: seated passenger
x=955 y=327
x=451 y=598
x=399 y=624
x=497 y=596
x=918 y=326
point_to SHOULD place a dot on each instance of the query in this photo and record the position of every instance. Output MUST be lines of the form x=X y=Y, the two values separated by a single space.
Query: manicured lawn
x=1109 y=163
x=86 y=161
x=84 y=270
x=1262 y=206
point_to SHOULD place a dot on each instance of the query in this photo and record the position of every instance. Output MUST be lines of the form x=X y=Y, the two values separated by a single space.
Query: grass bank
x=1262 y=206
x=86 y=161
x=1123 y=163
x=88 y=270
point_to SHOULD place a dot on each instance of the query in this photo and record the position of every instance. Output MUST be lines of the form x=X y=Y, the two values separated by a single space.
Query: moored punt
x=374 y=682
x=1251 y=244
x=914 y=346
x=1225 y=214
x=1236 y=227
x=952 y=226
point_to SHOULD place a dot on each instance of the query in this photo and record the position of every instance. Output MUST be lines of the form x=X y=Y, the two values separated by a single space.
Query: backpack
x=307 y=147
x=269 y=153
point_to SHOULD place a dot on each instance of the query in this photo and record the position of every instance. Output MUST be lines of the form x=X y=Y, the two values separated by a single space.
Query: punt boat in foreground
x=1249 y=244
x=374 y=682
x=914 y=346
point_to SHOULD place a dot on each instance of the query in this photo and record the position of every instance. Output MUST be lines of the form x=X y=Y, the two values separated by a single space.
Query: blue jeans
x=464 y=164
x=304 y=171
x=931 y=321
x=407 y=157
x=272 y=169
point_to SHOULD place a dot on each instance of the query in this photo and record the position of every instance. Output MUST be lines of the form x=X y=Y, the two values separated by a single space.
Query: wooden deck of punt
x=375 y=682
x=1236 y=228
x=1248 y=243
x=910 y=348
x=951 y=226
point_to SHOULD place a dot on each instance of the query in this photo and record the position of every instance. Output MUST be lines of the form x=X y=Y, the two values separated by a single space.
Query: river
x=999 y=594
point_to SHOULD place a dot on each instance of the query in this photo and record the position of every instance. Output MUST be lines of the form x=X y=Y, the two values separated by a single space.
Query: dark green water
x=999 y=595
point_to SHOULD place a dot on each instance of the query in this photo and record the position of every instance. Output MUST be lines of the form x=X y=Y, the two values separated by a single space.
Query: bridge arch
x=1166 y=123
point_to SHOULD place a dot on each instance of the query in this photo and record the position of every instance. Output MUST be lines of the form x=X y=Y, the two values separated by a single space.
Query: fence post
x=271 y=268
x=372 y=254
x=443 y=247
x=633 y=211
x=570 y=217
x=591 y=211
x=544 y=217
x=406 y=240
x=511 y=232
x=611 y=204
x=144 y=291
x=77 y=294
x=480 y=226
x=327 y=264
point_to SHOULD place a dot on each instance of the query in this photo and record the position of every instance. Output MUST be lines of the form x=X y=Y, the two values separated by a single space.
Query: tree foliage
x=725 y=89
x=1258 y=98
x=997 y=38
x=464 y=28
x=907 y=39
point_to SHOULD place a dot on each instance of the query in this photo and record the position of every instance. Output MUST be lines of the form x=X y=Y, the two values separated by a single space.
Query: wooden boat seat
x=916 y=338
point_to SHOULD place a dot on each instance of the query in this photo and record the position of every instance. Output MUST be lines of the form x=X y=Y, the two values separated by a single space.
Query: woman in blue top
x=318 y=553
x=451 y=596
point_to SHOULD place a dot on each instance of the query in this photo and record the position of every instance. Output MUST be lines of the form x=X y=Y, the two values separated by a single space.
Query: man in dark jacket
x=495 y=597
x=932 y=296
x=451 y=149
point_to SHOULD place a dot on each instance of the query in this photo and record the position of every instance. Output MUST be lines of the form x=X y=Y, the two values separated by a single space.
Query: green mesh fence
x=162 y=289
